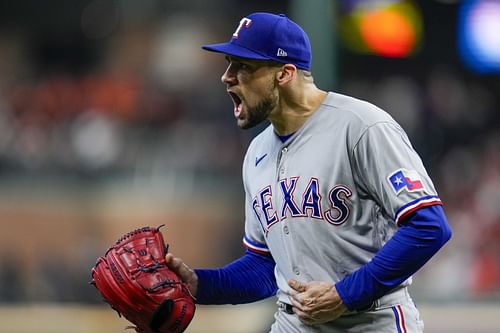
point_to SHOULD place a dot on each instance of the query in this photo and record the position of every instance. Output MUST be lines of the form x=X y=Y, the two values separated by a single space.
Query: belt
x=396 y=297
x=288 y=308
x=399 y=296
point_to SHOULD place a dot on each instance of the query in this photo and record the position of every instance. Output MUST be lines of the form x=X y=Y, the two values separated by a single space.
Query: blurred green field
x=47 y=318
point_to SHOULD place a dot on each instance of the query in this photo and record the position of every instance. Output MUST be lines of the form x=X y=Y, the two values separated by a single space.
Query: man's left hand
x=316 y=302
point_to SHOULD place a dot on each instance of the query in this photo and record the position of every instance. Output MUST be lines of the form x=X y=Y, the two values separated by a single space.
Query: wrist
x=342 y=307
x=343 y=295
x=193 y=283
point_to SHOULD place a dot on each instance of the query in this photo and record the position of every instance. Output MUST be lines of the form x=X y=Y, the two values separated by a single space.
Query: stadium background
x=112 y=118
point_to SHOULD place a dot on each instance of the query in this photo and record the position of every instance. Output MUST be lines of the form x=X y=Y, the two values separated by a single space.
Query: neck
x=295 y=108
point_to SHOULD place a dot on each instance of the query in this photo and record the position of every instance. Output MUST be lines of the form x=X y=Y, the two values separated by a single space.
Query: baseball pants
x=393 y=313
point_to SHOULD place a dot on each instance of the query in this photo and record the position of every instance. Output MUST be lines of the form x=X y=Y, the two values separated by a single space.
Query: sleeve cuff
x=256 y=247
x=409 y=208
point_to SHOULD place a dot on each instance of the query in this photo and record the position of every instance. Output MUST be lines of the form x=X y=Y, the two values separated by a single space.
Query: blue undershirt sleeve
x=245 y=280
x=414 y=243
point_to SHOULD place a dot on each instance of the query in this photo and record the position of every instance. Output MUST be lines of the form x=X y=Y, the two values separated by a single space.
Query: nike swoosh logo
x=259 y=159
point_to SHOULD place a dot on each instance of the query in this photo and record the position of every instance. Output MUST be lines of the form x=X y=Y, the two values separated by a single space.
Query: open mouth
x=238 y=105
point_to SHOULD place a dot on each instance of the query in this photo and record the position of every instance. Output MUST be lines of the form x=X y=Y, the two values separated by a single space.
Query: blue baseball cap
x=265 y=36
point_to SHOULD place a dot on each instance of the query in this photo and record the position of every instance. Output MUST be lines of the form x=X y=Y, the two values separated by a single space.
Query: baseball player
x=340 y=211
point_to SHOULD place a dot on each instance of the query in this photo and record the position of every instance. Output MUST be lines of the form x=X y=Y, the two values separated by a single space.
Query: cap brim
x=234 y=50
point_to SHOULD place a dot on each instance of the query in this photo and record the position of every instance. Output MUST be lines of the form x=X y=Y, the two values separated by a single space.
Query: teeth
x=238 y=104
x=237 y=110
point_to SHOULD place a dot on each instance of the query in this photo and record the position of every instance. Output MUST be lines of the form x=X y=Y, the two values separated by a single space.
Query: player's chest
x=301 y=180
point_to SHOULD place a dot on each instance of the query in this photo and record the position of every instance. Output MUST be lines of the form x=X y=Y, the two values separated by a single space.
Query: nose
x=229 y=76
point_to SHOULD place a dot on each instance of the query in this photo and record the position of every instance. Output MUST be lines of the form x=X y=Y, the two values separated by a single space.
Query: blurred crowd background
x=112 y=118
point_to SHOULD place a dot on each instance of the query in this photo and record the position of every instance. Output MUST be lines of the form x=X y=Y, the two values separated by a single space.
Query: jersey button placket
x=284 y=150
x=286 y=228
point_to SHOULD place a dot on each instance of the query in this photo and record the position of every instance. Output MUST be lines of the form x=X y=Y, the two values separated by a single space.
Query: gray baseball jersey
x=324 y=202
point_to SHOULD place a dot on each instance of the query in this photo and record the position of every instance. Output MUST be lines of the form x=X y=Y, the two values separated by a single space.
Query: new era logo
x=281 y=53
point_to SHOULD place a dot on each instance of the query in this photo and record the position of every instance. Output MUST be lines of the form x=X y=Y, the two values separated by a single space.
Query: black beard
x=259 y=113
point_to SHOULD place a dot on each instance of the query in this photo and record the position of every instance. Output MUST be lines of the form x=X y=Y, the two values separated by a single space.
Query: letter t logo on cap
x=245 y=22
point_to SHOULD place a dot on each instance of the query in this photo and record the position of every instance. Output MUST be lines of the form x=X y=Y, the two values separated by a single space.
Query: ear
x=287 y=73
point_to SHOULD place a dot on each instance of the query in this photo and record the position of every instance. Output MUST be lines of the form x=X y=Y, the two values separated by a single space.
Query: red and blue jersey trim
x=256 y=247
x=425 y=201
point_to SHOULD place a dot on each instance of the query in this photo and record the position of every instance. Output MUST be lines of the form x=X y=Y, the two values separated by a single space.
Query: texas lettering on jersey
x=306 y=204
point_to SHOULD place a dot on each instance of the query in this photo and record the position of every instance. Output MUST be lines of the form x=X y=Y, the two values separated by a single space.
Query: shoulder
x=359 y=111
x=355 y=117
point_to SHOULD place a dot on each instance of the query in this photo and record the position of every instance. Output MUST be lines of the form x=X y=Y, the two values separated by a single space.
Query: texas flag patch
x=408 y=180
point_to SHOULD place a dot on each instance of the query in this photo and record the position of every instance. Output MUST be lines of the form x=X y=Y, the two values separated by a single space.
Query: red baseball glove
x=135 y=280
